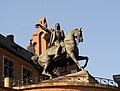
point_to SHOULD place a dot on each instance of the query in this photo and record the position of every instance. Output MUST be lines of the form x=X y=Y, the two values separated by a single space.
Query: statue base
x=79 y=81
x=81 y=76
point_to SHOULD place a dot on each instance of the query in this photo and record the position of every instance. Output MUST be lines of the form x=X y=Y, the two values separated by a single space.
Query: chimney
x=10 y=37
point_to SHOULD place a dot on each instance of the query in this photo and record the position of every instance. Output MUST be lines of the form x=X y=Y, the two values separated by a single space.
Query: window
x=26 y=73
x=8 y=68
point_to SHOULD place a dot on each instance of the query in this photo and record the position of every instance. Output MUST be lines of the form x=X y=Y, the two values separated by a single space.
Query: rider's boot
x=57 y=52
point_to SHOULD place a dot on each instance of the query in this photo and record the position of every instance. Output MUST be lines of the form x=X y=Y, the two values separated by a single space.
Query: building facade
x=15 y=62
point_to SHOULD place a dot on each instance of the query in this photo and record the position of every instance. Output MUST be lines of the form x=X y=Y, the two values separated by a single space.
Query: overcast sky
x=99 y=18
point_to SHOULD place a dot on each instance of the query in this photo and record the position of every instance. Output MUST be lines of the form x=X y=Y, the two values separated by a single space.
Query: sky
x=100 y=20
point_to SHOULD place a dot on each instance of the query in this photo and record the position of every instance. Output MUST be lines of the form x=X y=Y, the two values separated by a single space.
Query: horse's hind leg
x=45 y=72
x=83 y=58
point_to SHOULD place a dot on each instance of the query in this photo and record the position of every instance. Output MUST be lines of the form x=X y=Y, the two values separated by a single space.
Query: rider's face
x=57 y=27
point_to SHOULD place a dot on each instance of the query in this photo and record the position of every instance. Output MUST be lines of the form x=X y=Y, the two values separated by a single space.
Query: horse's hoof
x=82 y=68
x=50 y=78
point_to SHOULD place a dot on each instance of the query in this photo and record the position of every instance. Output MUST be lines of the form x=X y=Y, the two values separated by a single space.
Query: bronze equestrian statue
x=71 y=51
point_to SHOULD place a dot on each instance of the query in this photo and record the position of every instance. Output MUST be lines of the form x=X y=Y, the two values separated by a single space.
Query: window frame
x=27 y=69
x=13 y=75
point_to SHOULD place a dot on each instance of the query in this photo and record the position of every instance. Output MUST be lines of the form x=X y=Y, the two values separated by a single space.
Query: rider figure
x=57 y=38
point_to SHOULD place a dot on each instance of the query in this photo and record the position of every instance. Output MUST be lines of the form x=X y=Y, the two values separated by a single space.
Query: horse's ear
x=81 y=29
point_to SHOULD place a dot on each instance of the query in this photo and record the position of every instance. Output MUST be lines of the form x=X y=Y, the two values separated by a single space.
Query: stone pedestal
x=81 y=76
x=80 y=81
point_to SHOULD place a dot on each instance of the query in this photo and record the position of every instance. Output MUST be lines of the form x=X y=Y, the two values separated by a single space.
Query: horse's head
x=78 y=35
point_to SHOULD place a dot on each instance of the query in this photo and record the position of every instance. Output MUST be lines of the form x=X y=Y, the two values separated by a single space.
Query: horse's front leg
x=83 y=58
x=75 y=60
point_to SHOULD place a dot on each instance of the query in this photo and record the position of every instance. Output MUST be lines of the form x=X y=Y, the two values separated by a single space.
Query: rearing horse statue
x=71 y=51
